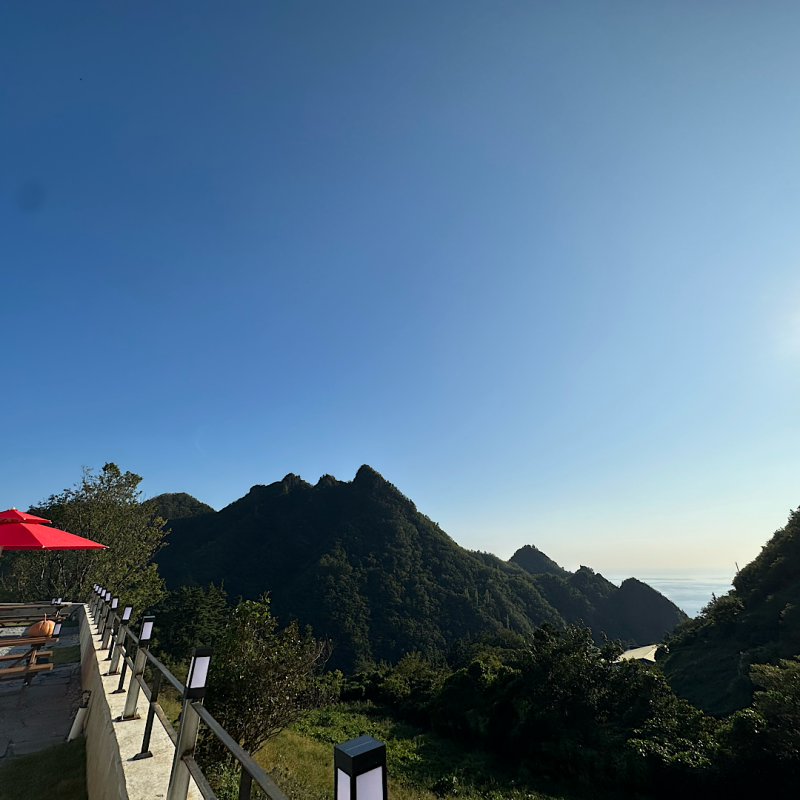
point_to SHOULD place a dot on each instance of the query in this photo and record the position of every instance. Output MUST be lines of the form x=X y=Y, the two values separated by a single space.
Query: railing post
x=110 y=622
x=119 y=689
x=102 y=612
x=133 y=686
x=245 y=785
x=115 y=626
x=110 y=614
x=148 y=727
x=96 y=614
x=116 y=649
x=119 y=636
x=145 y=634
x=187 y=739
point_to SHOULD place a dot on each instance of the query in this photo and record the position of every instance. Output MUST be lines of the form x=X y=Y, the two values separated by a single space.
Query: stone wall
x=105 y=777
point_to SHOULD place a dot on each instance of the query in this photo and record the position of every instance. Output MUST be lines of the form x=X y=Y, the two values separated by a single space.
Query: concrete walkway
x=38 y=715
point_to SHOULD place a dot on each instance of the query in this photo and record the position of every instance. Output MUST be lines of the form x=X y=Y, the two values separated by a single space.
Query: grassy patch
x=170 y=701
x=66 y=655
x=58 y=771
x=168 y=697
x=422 y=766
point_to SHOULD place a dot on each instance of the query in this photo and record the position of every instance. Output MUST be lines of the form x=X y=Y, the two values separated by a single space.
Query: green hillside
x=757 y=622
x=179 y=505
x=359 y=563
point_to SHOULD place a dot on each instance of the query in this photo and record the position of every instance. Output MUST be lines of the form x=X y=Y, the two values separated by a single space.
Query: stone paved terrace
x=35 y=716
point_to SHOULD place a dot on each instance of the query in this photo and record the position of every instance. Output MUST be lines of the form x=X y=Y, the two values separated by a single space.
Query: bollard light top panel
x=357 y=756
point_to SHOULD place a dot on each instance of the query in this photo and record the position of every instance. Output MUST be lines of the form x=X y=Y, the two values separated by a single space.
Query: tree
x=107 y=508
x=778 y=703
x=262 y=678
x=187 y=617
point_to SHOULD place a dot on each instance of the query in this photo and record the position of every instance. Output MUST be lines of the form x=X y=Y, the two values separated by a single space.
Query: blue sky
x=535 y=262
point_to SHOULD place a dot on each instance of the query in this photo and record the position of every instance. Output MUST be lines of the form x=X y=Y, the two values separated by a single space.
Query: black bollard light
x=359 y=767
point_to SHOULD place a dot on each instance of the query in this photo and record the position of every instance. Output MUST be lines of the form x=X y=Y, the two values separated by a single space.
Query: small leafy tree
x=107 y=508
x=263 y=678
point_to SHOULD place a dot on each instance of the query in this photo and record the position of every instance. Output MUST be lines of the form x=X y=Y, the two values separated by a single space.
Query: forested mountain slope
x=359 y=563
x=757 y=622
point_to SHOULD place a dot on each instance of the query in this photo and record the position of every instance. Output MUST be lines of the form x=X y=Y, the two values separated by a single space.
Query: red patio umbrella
x=21 y=531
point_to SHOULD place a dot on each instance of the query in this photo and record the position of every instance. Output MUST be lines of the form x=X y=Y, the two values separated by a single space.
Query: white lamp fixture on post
x=146 y=631
x=198 y=673
x=359 y=767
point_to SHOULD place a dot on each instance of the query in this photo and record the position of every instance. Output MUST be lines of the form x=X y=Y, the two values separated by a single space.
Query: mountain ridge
x=360 y=563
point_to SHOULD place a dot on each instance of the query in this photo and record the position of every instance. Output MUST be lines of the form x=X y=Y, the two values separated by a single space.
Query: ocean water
x=689 y=589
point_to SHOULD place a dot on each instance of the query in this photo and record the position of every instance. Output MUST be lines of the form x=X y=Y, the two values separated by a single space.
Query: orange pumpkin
x=43 y=628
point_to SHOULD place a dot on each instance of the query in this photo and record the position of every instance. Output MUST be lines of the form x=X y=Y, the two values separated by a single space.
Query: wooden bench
x=20 y=656
x=31 y=669
x=27 y=672
x=34 y=645
x=21 y=641
x=21 y=613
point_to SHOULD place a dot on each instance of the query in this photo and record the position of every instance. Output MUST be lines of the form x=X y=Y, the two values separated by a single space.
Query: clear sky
x=538 y=263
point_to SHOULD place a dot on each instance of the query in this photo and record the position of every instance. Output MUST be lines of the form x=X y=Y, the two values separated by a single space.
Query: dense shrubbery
x=555 y=704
